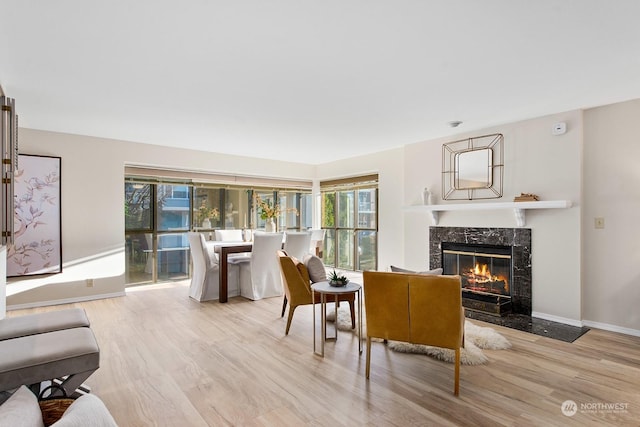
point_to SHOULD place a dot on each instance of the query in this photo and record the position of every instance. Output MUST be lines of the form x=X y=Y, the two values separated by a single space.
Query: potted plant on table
x=337 y=280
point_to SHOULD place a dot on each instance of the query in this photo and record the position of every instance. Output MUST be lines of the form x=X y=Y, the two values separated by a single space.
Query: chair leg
x=291 y=310
x=72 y=382
x=368 y=363
x=353 y=314
x=284 y=305
x=456 y=386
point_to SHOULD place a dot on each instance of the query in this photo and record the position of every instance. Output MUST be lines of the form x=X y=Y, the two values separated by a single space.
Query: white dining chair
x=231 y=235
x=260 y=273
x=296 y=243
x=317 y=241
x=205 y=277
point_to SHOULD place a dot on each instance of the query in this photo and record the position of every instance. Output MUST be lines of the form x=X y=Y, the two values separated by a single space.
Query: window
x=172 y=211
x=171 y=251
x=137 y=206
x=349 y=215
x=207 y=208
x=297 y=210
x=138 y=214
x=158 y=216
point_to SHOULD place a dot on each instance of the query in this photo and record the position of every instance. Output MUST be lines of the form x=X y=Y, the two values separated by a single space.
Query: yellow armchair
x=414 y=308
x=297 y=289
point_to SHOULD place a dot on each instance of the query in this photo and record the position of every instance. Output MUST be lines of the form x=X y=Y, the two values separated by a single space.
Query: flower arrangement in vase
x=204 y=215
x=269 y=211
x=337 y=280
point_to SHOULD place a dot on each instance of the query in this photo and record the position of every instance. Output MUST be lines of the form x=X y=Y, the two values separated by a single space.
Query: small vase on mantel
x=426 y=197
x=270 y=227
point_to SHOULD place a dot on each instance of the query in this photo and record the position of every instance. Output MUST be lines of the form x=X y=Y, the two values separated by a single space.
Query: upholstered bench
x=69 y=353
x=31 y=324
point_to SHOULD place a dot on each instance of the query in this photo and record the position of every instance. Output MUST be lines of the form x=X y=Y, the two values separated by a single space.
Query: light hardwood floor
x=170 y=361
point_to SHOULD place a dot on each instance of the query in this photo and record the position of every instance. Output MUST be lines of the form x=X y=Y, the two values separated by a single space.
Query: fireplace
x=485 y=273
x=504 y=285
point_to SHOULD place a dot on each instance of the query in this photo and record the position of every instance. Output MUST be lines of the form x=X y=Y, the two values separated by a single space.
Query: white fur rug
x=476 y=338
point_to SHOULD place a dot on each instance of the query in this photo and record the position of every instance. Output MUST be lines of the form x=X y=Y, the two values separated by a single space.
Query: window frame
x=335 y=229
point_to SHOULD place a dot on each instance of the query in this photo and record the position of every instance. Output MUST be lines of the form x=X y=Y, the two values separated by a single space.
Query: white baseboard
x=558 y=319
x=64 y=301
x=612 y=328
x=588 y=323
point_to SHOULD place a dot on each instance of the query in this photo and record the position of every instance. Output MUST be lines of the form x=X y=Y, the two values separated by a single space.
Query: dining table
x=223 y=249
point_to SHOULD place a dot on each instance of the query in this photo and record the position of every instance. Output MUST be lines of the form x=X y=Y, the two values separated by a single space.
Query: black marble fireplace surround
x=521 y=281
x=518 y=238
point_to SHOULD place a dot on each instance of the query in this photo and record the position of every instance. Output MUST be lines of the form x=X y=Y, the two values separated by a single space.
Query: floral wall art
x=37 y=247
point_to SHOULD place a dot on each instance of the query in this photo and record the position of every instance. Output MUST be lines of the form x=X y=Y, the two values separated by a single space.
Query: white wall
x=611 y=256
x=535 y=162
x=92 y=207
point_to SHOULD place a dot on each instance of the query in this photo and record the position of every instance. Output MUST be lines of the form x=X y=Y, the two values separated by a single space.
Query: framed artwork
x=37 y=247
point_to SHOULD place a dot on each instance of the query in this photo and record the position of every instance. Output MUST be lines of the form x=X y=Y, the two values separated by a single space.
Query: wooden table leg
x=224 y=275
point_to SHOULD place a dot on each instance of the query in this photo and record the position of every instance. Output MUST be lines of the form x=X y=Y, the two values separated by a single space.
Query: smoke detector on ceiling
x=455 y=123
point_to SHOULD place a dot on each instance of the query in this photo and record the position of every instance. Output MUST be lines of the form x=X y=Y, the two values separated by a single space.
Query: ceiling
x=310 y=81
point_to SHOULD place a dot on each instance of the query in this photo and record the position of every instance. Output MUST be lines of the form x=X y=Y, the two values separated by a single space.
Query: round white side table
x=324 y=289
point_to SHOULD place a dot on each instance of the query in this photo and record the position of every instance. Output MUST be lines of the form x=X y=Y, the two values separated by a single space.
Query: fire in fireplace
x=485 y=272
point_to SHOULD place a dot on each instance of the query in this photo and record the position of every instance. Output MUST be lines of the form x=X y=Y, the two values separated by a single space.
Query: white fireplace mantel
x=519 y=208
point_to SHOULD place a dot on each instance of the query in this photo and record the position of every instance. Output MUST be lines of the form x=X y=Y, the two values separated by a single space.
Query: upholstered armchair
x=297 y=289
x=419 y=309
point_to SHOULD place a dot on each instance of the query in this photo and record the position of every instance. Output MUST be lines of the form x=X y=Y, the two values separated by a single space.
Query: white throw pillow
x=21 y=409
x=87 y=411
x=435 y=271
x=315 y=267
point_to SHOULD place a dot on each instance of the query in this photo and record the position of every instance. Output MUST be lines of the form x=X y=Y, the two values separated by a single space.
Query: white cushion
x=435 y=271
x=315 y=266
x=21 y=409
x=87 y=411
